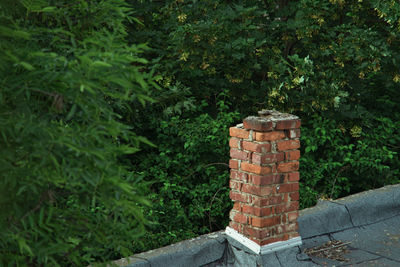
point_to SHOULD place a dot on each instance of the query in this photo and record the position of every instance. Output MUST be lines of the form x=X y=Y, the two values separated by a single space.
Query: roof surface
x=359 y=230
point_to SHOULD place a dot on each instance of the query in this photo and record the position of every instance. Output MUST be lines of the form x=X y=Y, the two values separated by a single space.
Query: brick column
x=265 y=181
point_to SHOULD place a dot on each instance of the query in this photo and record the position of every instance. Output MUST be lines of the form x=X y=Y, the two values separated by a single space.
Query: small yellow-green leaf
x=26 y=65
x=99 y=63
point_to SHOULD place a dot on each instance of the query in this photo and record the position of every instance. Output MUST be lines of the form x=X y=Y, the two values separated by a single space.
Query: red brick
x=256 y=240
x=265 y=201
x=233 y=164
x=269 y=136
x=257 y=211
x=287 y=124
x=258 y=190
x=285 y=197
x=295 y=133
x=239 y=154
x=234 y=142
x=237 y=206
x=267 y=158
x=294 y=196
x=257 y=169
x=239 y=133
x=292 y=216
x=286 y=228
x=285 y=188
x=234 y=225
x=287 y=207
x=257 y=232
x=259 y=201
x=236 y=196
x=266 y=179
x=257 y=124
x=288 y=166
x=295 y=205
x=265 y=222
x=280 y=229
x=292 y=155
x=260 y=148
x=237 y=175
x=293 y=177
x=288 y=145
x=239 y=218
x=293 y=235
x=235 y=185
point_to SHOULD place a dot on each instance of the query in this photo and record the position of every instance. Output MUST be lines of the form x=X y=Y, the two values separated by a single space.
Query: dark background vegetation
x=114 y=115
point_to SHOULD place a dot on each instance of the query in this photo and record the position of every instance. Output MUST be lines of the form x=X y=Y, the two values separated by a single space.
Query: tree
x=332 y=62
x=67 y=198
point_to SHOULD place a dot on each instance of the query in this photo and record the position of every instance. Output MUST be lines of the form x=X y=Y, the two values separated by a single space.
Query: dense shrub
x=66 y=196
x=70 y=96
x=332 y=62
x=188 y=172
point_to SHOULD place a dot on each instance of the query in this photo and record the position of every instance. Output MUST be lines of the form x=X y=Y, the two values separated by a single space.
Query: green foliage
x=189 y=173
x=72 y=94
x=332 y=62
x=339 y=160
x=66 y=71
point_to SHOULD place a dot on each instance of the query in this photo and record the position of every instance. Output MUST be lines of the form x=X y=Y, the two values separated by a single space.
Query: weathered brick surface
x=265 y=221
x=292 y=155
x=292 y=216
x=256 y=147
x=294 y=196
x=234 y=142
x=257 y=123
x=239 y=154
x=257 y=190
x=267 y=158
x=269 y=136
x=287 y=207
x=238 y=196
x=237 y=175
x=264 y=177
x=234 y=164
x=265 y=201
x=258 y=211
x=288 y=145
x=294 y=133
x=286 y=228
x=288 y=166
x=284 y=188
x=258 y=233
x=239 y=218
x=257 y=169
x=239 y=133
x=293 y=177
x=235 y=185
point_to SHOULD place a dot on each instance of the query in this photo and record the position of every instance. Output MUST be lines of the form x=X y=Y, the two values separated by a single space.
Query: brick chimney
x=265 y=181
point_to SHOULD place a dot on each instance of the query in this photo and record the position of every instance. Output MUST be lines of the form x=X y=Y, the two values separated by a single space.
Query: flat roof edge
x=197 y=251
x=326 y=217
x=355 y=210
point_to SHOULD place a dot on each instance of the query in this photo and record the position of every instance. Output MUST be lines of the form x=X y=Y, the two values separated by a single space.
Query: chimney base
x=266 y=249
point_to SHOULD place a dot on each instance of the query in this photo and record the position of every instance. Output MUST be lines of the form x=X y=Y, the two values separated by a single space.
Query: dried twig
x=333 y=250
x=328 y=248
x=211 y=202
x=337 y=175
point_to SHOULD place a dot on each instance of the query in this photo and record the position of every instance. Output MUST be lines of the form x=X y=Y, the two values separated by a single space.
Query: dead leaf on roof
x=333 y=250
